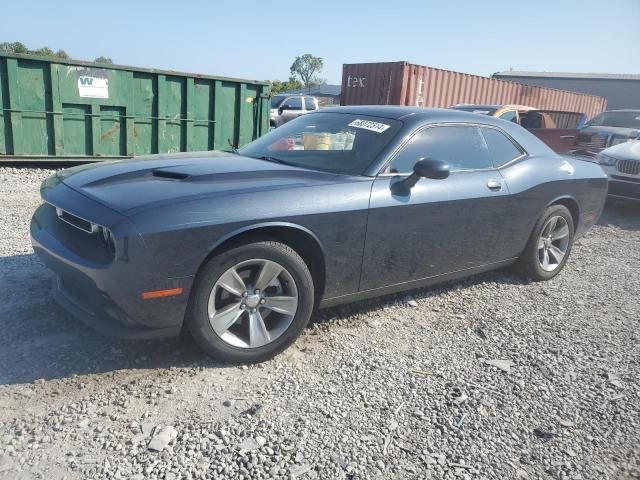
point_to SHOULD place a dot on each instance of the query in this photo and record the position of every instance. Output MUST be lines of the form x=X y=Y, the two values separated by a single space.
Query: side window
x=532 y=120
x=309 y=104
x=510 y=116
x=462 y=147
x=293 y=103
x=501 y=149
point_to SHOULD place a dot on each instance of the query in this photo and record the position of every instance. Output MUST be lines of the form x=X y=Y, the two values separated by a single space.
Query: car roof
x=496 y=106
x=622 y=110
x=415 y=117
x=401 y=113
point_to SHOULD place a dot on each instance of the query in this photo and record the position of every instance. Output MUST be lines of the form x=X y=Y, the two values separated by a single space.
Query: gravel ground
x=490 y=378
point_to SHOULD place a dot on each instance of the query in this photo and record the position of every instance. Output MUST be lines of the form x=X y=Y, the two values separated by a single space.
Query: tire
x=532 y=260
x=258 y=333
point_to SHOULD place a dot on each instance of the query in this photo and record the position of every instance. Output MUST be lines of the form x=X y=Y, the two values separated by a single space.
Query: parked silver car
x=288 y=107
x=622 y=164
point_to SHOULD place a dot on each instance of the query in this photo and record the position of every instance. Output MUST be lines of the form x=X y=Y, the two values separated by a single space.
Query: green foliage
x=47 y=52
x=305 y=69
x=13 y=48
x=106 y=60
x=278 y=86
x=20 y=48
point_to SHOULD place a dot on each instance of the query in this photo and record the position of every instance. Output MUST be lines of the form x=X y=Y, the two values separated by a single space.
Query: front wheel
x=549 y=245
x=251 y=302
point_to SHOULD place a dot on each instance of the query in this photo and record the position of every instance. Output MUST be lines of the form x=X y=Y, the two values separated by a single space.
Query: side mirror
x=634 y=134
x=427 y=168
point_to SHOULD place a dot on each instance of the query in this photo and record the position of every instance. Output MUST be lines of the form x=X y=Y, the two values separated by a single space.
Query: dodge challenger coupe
x=338 y=205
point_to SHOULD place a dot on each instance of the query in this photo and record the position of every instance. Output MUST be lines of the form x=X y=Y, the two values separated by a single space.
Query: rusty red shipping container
x=403 y=83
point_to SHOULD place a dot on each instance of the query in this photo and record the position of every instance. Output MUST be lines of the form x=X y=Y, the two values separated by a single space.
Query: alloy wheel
x=253 y=303
x=553 y=243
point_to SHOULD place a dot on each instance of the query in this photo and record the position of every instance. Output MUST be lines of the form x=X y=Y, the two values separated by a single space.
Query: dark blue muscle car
x=336 y=206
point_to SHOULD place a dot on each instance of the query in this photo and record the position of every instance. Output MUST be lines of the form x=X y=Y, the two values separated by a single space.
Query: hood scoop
x=169 y=174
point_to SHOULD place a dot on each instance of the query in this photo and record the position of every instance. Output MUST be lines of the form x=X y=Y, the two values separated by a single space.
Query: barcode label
x=369 y=125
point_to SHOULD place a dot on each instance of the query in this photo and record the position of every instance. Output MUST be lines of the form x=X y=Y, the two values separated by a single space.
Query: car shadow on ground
x=41 y=340
x=622 y=214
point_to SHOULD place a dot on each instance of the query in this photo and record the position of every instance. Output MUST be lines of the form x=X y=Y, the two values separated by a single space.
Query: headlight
x=606 y=160
x=107 y=239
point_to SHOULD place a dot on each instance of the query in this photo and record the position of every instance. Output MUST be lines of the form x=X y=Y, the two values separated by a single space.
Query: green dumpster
x=69 y=110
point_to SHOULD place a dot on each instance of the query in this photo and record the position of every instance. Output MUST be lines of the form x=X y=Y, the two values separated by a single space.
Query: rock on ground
x=395 y=387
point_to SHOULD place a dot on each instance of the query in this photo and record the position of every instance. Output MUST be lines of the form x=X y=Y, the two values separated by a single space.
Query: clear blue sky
x=259 y=40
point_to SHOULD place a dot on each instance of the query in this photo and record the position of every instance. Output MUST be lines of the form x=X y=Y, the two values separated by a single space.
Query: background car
x=607 y=129
x=285 y=108
x=556 y=128
x=622 y=163
x=336 y=206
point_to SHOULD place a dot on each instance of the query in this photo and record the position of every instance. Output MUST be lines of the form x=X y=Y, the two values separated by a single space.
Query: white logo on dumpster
x=93 y=87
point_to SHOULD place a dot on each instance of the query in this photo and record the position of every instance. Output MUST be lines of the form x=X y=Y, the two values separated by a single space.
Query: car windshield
x=330 y=142
x=616 y=119
x=277 y=100
x=481 y=109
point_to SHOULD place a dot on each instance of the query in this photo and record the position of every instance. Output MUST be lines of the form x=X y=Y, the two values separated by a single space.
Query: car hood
x=126 y=185
x=625 y=151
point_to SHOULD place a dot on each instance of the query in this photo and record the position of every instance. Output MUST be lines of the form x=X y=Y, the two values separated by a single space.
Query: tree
x=13 y=47
x=104 y=60
x=47 y=52
x=305 y=68
x=278 y=86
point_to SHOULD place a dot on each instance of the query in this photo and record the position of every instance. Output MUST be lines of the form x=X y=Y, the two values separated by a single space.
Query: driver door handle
x=494 y=185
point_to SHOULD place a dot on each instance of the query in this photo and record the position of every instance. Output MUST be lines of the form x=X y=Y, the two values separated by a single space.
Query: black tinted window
x=462 y=147
x=501 y=149
x=329 y=142
x=309 y=104
x=629 y=119
x=276 y=100
x=294 y=103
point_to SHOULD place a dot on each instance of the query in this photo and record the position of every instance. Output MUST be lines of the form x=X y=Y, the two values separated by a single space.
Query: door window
x=462 y=147
x=293 y=103
x=309 y=104
x=501 y=148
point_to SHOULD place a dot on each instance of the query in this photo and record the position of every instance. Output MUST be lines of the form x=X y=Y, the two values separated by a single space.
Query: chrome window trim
x=393 y=155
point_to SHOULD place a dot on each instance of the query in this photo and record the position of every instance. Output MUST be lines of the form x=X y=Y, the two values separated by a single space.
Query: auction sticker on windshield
x=369 y=125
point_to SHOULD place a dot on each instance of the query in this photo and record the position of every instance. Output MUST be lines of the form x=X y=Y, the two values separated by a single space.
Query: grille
x=592 y=141
x=75 y=221
x=630 y=167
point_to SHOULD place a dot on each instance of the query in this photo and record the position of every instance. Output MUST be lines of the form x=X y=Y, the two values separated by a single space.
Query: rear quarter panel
x=539 y=181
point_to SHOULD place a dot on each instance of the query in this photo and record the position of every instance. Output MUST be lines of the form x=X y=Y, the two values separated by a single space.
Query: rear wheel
x=251 y=302
x=550 y=244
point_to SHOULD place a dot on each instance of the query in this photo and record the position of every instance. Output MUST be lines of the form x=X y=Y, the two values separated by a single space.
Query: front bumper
x=622 y=185
x=101 y=289
x=626 y=189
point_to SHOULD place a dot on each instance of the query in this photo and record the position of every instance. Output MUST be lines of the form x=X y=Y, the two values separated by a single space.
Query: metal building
x=620 y=90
